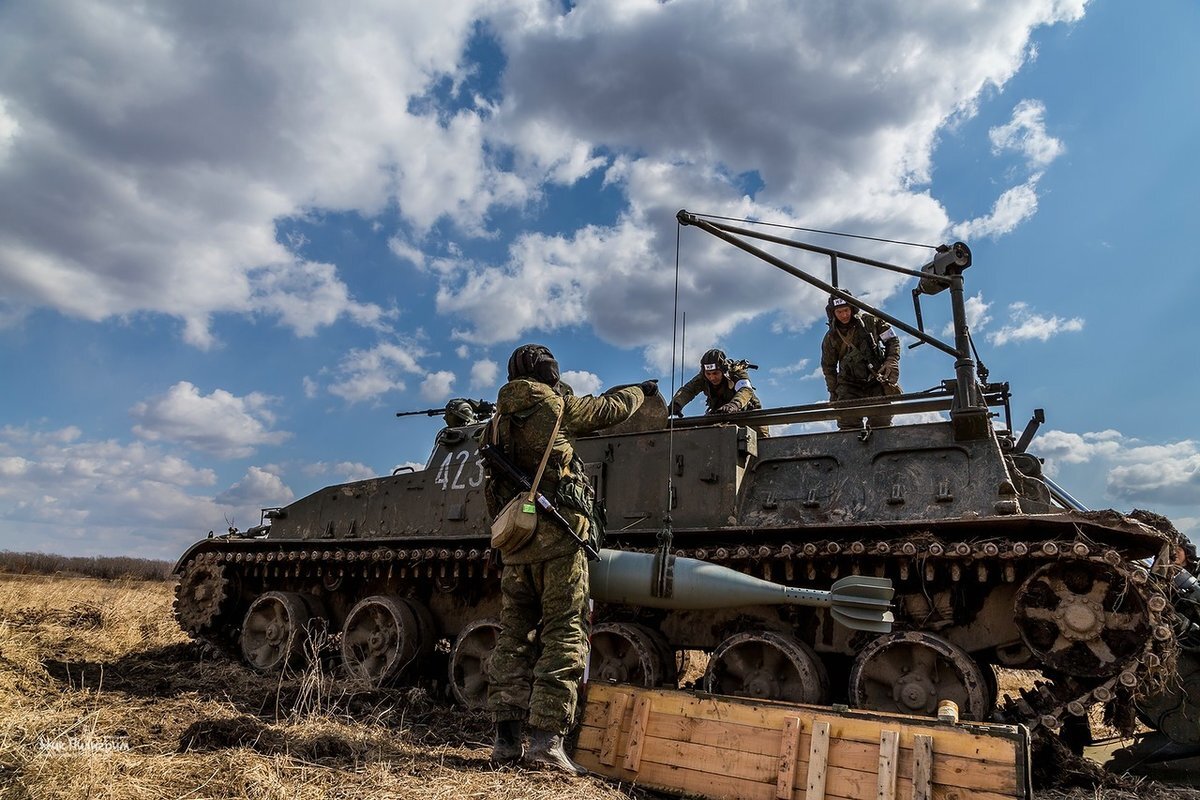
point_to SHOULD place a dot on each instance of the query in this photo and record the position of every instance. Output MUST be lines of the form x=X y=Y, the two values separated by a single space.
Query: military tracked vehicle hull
x=987 y=572
x=992 y=565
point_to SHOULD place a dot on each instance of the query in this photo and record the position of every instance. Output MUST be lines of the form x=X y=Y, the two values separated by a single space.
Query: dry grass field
x=101 y=696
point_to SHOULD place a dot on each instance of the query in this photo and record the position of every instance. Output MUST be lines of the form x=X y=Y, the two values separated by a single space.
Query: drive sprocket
x=200 y=596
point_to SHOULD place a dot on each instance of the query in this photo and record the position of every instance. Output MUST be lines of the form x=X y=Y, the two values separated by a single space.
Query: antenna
x=664 y=566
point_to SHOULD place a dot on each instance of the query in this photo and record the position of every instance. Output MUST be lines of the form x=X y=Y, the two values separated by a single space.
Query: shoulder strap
x=546 y=455
x=847 y=341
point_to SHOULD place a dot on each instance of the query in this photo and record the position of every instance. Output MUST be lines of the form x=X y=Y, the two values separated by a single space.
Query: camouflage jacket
x=735 y=386
x=856 y=352
x=525 y=414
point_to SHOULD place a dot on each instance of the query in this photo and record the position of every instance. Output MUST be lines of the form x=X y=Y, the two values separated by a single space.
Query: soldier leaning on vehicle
x=726 y=387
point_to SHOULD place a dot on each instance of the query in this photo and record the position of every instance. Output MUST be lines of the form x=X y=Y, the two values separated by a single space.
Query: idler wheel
x=910 y=672
x=1175 y=711
x=274 y=630
x=767 y=666
x=383 y=637
x=200 y=596
x=469 y=657
x=1082 y=618
x=625 y=652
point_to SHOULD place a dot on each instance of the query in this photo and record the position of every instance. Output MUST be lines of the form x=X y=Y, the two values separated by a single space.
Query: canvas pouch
x=514 y=526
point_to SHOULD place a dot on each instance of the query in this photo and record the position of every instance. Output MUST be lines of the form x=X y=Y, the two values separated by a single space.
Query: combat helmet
x=714 y=359
x=459 y=412
x=533 y=361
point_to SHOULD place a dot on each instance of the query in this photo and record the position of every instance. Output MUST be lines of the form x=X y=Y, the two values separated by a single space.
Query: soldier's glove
x=889 y=372
x=649 y=388
x=732 y=407
x=676 y=409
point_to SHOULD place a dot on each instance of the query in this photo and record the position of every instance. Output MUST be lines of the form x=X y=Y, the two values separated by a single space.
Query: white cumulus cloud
x=484 y=374
x=1138 y=473
x=65 y=493
x=1024 y=324
x=437 y=386
x=219 y=423
x=257 y=489
x=366 y=374
x=1026 y=133
x=583 y=382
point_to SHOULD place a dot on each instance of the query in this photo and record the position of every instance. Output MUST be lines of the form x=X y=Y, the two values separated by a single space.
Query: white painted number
x=443 y=472
x=477 y=481
x=463 y=457
x=447 y=483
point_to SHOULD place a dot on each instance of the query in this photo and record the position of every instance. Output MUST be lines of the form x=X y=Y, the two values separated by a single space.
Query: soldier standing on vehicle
x=725 y=384
x=860 y=357
x=545 y=582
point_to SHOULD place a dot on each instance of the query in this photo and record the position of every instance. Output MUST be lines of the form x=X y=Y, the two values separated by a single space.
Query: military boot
x=507 y=746
x=546 y=752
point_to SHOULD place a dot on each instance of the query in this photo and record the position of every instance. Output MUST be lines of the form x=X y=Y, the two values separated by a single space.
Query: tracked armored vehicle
x=991 y=562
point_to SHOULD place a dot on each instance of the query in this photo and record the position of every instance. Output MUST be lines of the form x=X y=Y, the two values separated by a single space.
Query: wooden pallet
x=727 y=747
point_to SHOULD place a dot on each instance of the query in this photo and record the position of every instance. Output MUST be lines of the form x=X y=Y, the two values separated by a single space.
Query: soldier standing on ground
x=725 y=384
x=860 y=357
x=545 y=582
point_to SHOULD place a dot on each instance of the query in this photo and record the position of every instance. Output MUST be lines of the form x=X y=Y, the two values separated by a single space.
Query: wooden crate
x=727 y=747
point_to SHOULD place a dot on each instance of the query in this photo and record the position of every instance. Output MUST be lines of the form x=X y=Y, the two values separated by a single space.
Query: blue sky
x=235 y=240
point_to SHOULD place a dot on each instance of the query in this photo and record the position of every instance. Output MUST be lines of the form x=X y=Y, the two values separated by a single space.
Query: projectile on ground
x=857 y=601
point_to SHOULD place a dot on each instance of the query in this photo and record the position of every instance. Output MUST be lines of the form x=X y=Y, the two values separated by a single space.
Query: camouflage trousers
x=534 y=674
x=856 y=391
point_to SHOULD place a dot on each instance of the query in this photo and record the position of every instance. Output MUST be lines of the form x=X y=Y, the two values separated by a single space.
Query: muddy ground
x=101 y=696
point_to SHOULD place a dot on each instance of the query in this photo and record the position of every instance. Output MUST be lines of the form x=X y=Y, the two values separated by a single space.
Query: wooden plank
x=952 y=771
x=789 y=758
x=889 y=750
x=719 y=747
x=922 y=774
x=616 y=716
x=818 y=754
x=637 y=733
x=853 y=726
x=682 y=780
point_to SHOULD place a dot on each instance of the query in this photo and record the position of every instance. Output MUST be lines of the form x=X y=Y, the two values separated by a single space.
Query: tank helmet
x=835 y=303
x=533 y=361
x=714 y=360
x=459 y=412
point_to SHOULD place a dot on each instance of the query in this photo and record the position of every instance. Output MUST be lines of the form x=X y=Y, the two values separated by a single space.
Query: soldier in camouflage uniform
x=860 y=357
x=545 y=582
x=726 y=387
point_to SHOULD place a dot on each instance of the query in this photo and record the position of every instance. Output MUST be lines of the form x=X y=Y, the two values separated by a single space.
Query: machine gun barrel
x=429 y=412
x=510 y=471
x=858 y=602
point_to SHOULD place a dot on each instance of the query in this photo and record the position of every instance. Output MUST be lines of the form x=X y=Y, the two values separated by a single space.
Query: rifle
x=497 y=459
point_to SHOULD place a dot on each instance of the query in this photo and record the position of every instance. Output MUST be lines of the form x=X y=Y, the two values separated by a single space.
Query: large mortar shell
x=856 y=601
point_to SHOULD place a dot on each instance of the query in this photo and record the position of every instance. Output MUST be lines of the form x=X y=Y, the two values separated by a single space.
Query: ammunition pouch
x=576 y=493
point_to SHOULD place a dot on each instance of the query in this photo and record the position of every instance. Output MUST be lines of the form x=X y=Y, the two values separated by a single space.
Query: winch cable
x=816 y=230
